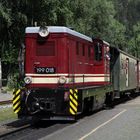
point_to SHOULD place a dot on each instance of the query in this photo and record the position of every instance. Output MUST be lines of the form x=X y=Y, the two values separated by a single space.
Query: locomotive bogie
x=95 y=97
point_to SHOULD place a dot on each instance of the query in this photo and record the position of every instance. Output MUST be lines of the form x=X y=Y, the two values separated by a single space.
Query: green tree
x=12 y=24
x=110 y=20
x=134 y=43
x=117 y=34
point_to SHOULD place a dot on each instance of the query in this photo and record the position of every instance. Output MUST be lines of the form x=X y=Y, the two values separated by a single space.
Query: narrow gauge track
x=35 y=131
x=13 y=131
x=23 y=129
x=13 y=127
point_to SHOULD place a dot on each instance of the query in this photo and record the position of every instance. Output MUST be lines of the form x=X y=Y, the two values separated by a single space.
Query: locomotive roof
x=60 y=29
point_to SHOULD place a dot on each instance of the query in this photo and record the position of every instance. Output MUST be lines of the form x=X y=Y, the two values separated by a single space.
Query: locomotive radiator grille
x=16 y=101
x=73 y=101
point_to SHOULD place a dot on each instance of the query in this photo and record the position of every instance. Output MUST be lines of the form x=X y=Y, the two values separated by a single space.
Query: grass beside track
x=7 y=114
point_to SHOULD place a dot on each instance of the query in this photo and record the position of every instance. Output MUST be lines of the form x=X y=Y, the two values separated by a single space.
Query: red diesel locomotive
x=67 y=73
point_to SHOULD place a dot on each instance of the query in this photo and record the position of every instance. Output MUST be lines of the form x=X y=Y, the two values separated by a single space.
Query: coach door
x=138 y=73
x=127 y=72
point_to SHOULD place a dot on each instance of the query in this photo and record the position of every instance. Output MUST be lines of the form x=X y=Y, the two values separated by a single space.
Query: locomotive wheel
x=88 y=105
x=109 y=98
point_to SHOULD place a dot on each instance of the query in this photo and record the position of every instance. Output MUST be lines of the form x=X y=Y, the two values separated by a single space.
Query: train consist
x=67 y=73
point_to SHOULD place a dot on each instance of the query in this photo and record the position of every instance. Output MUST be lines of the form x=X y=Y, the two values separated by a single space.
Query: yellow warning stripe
x=15 y=106
x=71 y=91
x=18 y=97
x=72 y=112
x=17 y=110
x=76 y=90
x=73 y=107
x=17 y=92
x=74 y=93
x=16 y=101
x=73 y=100
x=75 y=96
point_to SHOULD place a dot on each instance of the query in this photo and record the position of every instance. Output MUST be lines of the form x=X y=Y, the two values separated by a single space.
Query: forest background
x=115 y=21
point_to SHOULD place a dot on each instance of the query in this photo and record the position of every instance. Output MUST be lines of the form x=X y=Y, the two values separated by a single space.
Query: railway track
x=11 y=128
x=35 y=131
x=5 y=102
x=14 y=126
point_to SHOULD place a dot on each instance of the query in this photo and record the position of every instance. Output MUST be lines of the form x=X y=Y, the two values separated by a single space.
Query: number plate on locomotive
x=45 y=70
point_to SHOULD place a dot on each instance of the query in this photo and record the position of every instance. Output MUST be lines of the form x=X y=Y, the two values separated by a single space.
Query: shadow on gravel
x=46 y=123
x=18 y=123
x=123 y=100
x=42 y=124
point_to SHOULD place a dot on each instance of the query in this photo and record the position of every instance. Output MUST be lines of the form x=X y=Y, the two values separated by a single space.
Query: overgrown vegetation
x=115 y=21
x=7 y=114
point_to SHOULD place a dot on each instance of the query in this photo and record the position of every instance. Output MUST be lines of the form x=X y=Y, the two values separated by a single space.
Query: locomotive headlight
x=27 y=80
x=62 y=80
x=43 y=31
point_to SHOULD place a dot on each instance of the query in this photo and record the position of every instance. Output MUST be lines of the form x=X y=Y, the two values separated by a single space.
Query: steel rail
x=10 y=129
x=5 y=102
x=10 y=132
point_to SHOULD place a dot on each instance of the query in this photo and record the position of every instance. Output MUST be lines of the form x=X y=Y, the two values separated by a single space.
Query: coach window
x=98 y=51
x=89 y=51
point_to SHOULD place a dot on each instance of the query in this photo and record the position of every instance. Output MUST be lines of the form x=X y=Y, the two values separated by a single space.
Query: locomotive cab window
x=83 y=50
x=98 y=51
x=80 y=49
x=77 y=48
x=89 y=51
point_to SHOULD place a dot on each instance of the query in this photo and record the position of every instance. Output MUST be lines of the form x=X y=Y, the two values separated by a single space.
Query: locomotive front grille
x=47 y=104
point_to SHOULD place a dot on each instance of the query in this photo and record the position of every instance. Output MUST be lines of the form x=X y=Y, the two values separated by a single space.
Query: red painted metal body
x=72 y=56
